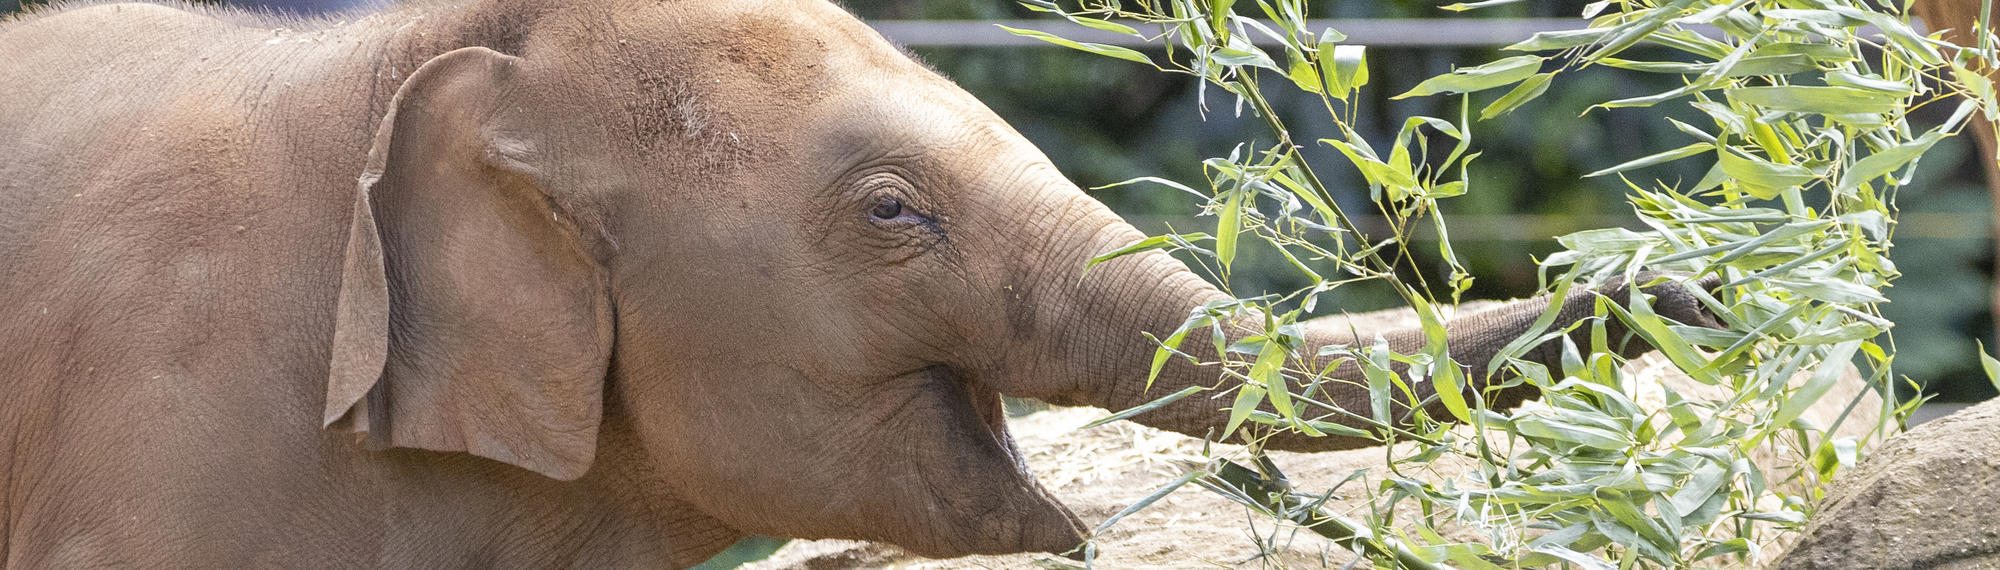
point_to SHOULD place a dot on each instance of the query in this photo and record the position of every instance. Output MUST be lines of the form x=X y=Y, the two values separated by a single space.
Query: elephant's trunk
x=1095 y=355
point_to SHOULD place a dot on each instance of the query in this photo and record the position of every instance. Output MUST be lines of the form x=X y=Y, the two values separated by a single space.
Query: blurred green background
x=1103 y=120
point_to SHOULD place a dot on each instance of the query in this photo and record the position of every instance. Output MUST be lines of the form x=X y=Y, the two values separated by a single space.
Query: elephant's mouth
x=992 y=410
x=1001 y=511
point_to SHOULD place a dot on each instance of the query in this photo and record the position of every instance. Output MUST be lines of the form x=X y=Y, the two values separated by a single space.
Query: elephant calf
x=621 y=281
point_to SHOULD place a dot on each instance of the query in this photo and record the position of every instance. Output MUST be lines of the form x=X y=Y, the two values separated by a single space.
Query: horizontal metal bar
x=1410 y=32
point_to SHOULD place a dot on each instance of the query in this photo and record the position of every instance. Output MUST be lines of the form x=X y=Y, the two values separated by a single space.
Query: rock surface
x=1928 y=498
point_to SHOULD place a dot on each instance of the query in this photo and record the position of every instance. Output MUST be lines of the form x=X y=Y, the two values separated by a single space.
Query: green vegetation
x=1803 y=126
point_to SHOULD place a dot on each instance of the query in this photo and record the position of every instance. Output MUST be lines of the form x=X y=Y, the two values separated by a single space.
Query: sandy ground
x=1100 y=471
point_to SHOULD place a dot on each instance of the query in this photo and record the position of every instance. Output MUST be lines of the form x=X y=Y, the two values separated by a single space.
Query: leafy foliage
x=1808 y=141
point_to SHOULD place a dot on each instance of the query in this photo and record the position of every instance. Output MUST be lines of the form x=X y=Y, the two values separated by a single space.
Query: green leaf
x=1559 y=40
x=1868 y=82
x=1241 y=52
x=1376 y=171
x=1580 y=559
x=1105 y=25
x=1824 y=53
x=1247 y=398
x=1639 y=28
x=1156 y=242
x=1150 y=498
x=1461 y=6
x=1227 y=226
x=1760 y=65
x=1899 y=33
x=1832 y=290
x=1592 y=437
x=1699 y=486
x=1375 y=368
x=1269 y=370
x=1155 y=180
x=1654 y=330
x=1822 y=100
x=1344 y=67
x=1987 y=363
x=1670 y=67
x=1823 y=378
x=1157 y=403
x=1528 y=90
x=1449 y=379
x=1303 y=75
x=1844 y=333
x=1760 y=178
x=1099 y=49
x=1655 y=159
x=1173 y=342
x=1466 y=80
x=1886 y=160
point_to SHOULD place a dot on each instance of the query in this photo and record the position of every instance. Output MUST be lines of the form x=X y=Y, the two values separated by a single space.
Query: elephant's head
x=798 y=267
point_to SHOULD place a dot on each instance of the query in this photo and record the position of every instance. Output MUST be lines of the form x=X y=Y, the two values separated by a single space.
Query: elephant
x=527 y=283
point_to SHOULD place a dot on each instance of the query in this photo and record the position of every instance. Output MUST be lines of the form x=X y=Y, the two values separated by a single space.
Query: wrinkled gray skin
x=623 y=281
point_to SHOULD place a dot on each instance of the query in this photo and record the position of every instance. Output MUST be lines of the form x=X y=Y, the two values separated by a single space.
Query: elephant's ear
x=471 y=317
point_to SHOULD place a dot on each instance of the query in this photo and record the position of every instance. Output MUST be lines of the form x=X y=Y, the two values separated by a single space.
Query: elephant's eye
x=887 y=209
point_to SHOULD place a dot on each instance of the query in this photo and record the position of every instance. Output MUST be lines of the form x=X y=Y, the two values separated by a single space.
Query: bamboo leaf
x=1150 y=498
x=1344 y=67
x=1227 y=226
x=1099 y=49
x=1885 y=161
x=1270 y=361
x=1530 y=88
x=1818 y=99
x=1156 y=242
x=1560 y=40
x=1466 y=80
x=1157 y=403
x=1822 y=380
x=1763 y=179
x=1247 y=398
x=1656 y=159
x=1987 y=363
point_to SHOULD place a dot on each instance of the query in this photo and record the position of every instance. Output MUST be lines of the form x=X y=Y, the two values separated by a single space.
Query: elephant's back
x=167 y=270
x=82 y=82
x=80 y=65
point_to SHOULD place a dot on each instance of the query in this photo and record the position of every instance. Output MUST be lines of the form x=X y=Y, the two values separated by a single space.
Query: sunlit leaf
x=1156 y=242
x=1157 y=403
x=1099 y=49
x=1562 y=39
x=1760 y=178
x=1886 y=160
x=1270 y=361
x=1656 y=159
x=1345 y=67
x=1989 y=364
x=1503 y=72
x=1149 y=499
x=1248 y=396
x=1227 y=226
x=1528 y=90
x=1821 y=381
x=1823 y=100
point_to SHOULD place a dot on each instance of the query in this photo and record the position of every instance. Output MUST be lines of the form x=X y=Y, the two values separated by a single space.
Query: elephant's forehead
x=821 y=73
x=780 y=43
